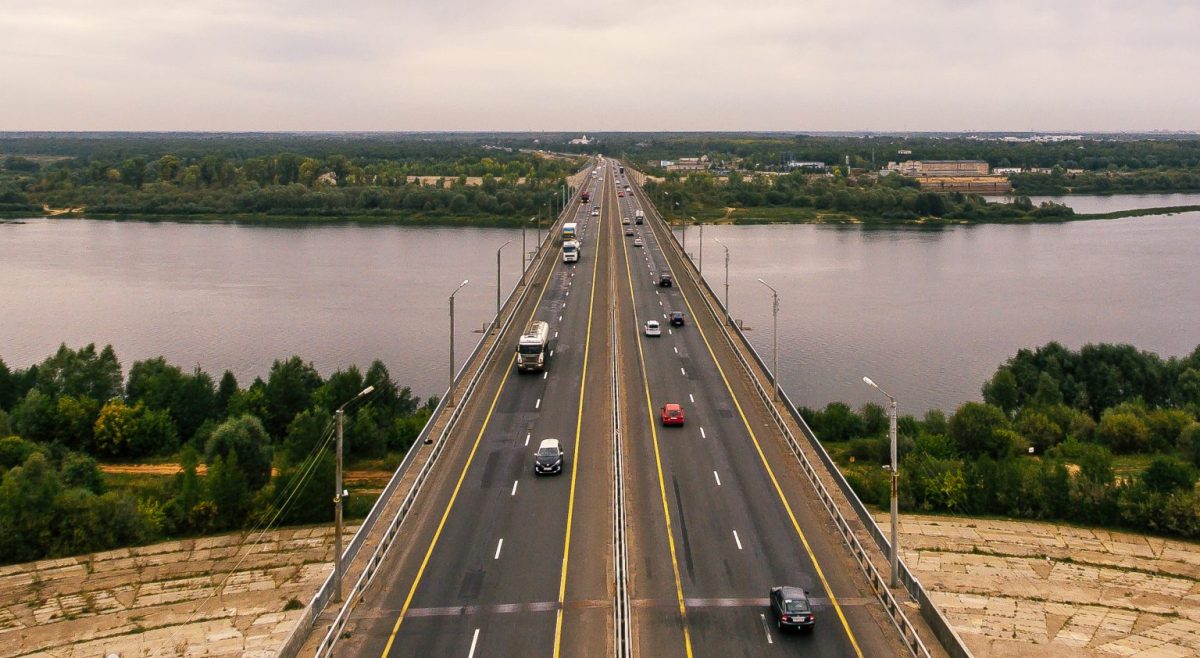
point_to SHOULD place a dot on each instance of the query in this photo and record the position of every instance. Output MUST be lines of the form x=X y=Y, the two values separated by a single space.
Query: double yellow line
x=471 y=457
x=662 y=487
x=766 y=465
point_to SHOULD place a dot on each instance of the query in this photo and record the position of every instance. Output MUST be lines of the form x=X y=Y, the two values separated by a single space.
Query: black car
x=549 y=458
x=664 y=280
x=677 y=318
x=791 y=608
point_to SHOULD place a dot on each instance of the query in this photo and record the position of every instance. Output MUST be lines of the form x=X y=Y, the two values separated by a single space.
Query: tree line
x=772 y=152
x=1042 y=443
x=514 y=185
x=263 y=447
x=890 y=198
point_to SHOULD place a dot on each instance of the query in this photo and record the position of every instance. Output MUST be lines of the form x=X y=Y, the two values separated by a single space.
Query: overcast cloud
x=1070 y=65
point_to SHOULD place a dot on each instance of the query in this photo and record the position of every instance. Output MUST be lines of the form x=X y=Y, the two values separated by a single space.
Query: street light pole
x=727 y=313
x=450 y=400
x=337 y=498
x=701 y=247
x=524 y=254
x=774 y=338
x=895 y=554
x=496 y=324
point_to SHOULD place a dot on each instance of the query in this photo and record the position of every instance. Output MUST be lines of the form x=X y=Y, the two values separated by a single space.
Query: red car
x=621 y=194
x=672 y=414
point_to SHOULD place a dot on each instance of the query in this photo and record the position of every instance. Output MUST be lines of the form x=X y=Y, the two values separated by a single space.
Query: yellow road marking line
x=461 y=477
x=662 y=487
x=770 y=472
x=587 y=346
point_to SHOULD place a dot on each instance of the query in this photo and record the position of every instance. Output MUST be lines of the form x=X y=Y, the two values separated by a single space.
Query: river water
x=929 y=314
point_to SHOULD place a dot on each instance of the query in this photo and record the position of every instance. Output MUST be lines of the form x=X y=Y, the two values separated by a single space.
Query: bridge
x=654 y=540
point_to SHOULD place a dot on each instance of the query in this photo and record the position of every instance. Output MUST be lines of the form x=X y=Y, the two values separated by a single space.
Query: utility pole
x=895 y=547
x=774 y=338
x=727 y=313
x=496 y=323
x=450 y=400
x=338 y=495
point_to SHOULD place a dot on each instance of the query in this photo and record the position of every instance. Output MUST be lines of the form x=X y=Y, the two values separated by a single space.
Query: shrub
x=973 y=428
x=1167 y=474
x=1123 y=432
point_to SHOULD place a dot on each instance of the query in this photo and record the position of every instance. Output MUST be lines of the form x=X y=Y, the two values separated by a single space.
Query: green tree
x=311 y=501
x=114 y=429
x=84 y=372
x=187 y=491
x=1041 y=432
x=75 y=419
x=80 y=470
x=340 y=388
x=974 y=429
x=289 y=390
x=874 y=419
x=226 y=391
x=305 y=432
x=1123 y=432
x=1166 y=474
x=36 y=417
x=1165 y=426
x=229 y=489
x=934 y=422
x=1189 y=443
x=1001 y=391
x=1048 y=392
x=837 y=422
x=244 y=434
x=14 y=451
x=189 y=399
x=27 y=496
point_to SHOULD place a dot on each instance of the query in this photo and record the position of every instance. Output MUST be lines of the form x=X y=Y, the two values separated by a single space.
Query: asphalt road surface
x=496 y=561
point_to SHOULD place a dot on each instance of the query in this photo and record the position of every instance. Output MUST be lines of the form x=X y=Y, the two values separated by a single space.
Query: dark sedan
x=792 y=609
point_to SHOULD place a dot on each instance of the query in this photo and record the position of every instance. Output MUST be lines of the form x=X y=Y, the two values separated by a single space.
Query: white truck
x=570 y=251
x=639 y=217
x=531 y=348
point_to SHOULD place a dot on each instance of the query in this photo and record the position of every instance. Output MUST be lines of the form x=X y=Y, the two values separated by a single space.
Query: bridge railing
x=320 y=600
x=947 y=637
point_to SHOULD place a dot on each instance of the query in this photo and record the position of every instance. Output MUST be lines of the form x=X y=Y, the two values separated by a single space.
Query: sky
x=650 y=65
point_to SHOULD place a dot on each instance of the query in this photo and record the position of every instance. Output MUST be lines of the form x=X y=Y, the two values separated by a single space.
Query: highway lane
x=485 y=565
x=730 y=519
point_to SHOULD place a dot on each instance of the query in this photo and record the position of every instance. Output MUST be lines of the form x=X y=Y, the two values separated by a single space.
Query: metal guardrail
x=946 y=635
x=622 y=623
x=320 y=600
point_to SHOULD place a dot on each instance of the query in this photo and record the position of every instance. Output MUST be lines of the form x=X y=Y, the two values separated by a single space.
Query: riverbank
x=772 y=215
x=734 y=216
x=381 y=219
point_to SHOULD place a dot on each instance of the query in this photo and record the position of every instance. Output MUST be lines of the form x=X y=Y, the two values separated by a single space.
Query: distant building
x=940 y=167
x=1006 y=170
x=904 y=152
x=991 y=184
x=807 y=165
x=688 y=164
x=581 y=141
x=327 y=178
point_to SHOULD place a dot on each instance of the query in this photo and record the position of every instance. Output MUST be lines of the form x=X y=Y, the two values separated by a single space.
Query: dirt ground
x=1017 y=588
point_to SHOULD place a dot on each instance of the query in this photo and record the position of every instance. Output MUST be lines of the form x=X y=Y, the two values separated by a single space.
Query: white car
x=652 y=328
x=595 y=213
x=637 y=242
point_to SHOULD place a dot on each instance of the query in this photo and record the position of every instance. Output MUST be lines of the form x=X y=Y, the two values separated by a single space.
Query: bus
x=569 y=231
x=531 y=348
